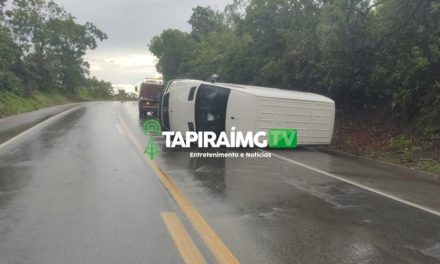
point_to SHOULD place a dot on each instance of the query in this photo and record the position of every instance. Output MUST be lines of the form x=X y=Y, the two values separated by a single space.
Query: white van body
x=221 y=106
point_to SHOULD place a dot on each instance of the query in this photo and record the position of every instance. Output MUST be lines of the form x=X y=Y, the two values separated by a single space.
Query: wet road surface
x=79 y=190
x=15 y=124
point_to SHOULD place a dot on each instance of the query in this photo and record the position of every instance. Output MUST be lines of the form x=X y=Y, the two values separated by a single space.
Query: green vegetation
x=11 y=103
x=405 y=147
x=42 y=52
x=368 y=55
x=428 y=165
x=92 y=89
x=378 y=59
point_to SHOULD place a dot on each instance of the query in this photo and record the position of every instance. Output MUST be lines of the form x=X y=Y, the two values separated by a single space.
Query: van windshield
x=151 y=91
x=210 y=108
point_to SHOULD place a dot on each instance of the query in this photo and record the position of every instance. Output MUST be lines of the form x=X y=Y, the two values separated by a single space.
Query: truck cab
x=150 y=92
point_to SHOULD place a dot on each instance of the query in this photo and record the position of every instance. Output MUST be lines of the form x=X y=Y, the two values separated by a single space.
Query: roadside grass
x=85 y=94
x=429 y=166
x=11 y=104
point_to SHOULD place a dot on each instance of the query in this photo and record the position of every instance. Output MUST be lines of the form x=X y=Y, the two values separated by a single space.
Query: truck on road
x=150 y=91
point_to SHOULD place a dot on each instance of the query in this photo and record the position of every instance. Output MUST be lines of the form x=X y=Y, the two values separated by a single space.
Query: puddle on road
x=337 y=194
x=433 y=251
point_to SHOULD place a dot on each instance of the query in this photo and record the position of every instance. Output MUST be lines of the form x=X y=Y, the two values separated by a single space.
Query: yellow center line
x=213 y=241
x=189 y=251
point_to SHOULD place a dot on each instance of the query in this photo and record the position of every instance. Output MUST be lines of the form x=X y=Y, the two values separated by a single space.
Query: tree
x=205 y=20
x=223 y=53
x=365 y=54
x=409 y=62
x=9 y=59
x=47 y=44
x=285 y=42
x=69 y=42
x=346 y=43
x=174 y=49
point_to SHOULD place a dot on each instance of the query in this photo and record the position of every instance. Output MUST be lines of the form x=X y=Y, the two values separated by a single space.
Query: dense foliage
x=369 y=55
x=42 y=48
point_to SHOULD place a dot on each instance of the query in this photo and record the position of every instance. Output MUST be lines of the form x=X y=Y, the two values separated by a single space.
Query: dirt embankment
x=380 y=137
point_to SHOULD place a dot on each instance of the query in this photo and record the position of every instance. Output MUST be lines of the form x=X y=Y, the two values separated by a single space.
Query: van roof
x=267 y=92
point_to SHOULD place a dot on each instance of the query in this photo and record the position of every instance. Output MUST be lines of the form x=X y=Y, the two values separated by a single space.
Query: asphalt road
x=78 y=189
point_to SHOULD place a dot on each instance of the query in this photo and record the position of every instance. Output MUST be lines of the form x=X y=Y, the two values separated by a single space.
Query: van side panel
x=241 y=111
x=314 y=121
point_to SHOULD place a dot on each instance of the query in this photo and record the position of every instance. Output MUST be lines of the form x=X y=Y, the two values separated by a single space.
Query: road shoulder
x=15 y=124
x=397 y=183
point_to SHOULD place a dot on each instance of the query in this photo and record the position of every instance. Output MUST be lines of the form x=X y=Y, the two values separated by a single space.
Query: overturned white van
x=192 y=105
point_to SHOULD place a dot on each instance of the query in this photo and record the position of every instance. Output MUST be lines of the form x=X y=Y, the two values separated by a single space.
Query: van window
x=190 y=126
x=210 y=108
x=165 y=117
x=191 y=93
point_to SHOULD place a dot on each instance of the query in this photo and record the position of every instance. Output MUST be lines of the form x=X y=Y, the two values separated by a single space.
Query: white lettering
x=260 y=143
x=191 y=137
x=244 y=141
x=178 y=140
x=209 y=139
x=222 y=140
x=232 y=137
x=168 y=135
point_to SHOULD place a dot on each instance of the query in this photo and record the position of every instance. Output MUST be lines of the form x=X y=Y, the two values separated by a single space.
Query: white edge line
x=389 y=196
x=9 y=141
